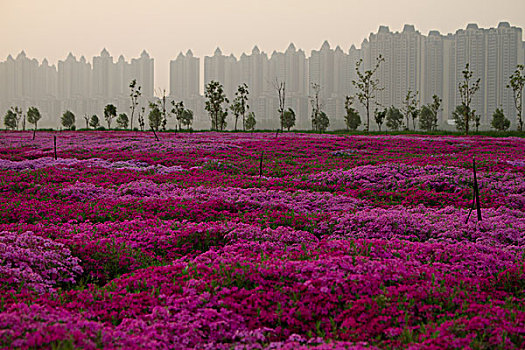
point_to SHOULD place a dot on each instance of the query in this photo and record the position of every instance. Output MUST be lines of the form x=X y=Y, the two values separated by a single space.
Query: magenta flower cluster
x=343 y=242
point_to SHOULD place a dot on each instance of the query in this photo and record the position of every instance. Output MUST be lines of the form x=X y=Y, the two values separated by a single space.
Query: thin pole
x=55 y=144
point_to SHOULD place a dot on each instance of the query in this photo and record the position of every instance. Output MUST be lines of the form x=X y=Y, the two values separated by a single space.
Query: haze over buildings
x=430 y=64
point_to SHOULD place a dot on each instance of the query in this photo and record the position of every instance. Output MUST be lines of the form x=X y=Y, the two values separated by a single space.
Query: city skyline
x=429 y=64
x=53 y=28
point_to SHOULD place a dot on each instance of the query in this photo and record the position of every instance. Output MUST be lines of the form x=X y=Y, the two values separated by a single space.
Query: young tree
x=367 y=86
x=477 y=119
x=16 y=113
x=410 y=108
x=288 y=119
x=394 y=118
x=141 y=113
x=10 y=120
x=426 y=118
x=216 y=97
x=352 y=118
x=110 y=112
x=187 y=118
x=236 y=109
x=86 y=119
x=467 y=89
x=459 y=117
x=68 y=120
x=122 y=120
x=322 y=122
x=250 y=121
x=134 y=96
x=155 y=117
x=94 y=122
x=162 y=108
x=379 y=117
x=178 y=111
x=33 y=116
x=315 y=101
x=516 y=83
x=499 y=121
x=240 y=106
x=280 y=87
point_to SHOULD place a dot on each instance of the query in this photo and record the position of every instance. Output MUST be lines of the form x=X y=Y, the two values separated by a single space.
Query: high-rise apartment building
x=142 y=69
x=223 y=69
x=74 y=78
x=402 y=67
x=184 y=76
x=253 y=70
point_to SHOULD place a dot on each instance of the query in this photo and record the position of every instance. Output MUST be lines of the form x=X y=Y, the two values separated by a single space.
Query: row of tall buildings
x=73 y=84
x=429 y=64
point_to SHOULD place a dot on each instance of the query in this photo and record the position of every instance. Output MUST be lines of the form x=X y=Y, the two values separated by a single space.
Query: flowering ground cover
x=343 y=242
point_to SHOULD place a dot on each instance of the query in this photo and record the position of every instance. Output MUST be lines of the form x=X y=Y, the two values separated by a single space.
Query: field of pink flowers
x=343 y=242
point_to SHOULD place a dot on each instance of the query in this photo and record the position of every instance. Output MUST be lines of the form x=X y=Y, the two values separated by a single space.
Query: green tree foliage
x=394 y=118
x=352 y=118
x=187 y=118
x=250 y=121
x=410 y=109
x=379 y=117
x=367 y=86
x=94 y=122
x=322 y=122
x=163 y=110
x=288 y=119
x=134 y=96
x=477 y=120
x=215 y=95
x=499 y=121
x=235 y=108
x=459 y=117
x=516 y=83
x=155 y=117
x=10 y=120
x=141 y=113
x=68 y=120
x=467 y=89
x=239 y=105
x=123 y=121
x=110 y=112
x=33 y=116
x=16 y=115
x=178 y=110
x=426 y=118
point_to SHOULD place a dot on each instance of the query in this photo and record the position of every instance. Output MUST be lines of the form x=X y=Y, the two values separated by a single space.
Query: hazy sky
x=53 y=28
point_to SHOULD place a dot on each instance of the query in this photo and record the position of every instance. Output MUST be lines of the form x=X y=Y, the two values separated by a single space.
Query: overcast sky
x=53 y=28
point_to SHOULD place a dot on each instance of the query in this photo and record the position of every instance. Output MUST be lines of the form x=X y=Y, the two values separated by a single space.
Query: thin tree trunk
x=154 y=133
x=367 y=116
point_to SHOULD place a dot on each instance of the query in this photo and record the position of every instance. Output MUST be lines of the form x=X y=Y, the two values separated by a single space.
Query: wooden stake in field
x=476 y=200
x=55 y=146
